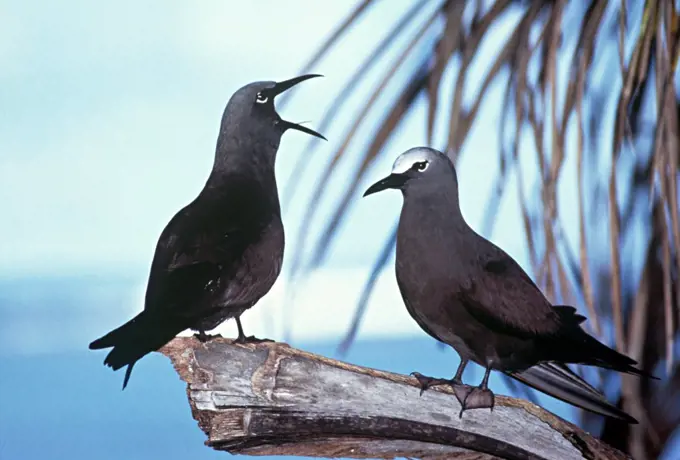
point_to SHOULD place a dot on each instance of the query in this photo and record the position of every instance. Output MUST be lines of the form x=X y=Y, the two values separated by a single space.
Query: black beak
x=391 y=181
x=288 y=125
x=282 y=86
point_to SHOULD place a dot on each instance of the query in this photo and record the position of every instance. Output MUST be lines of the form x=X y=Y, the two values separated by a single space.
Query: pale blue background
x=108 y=118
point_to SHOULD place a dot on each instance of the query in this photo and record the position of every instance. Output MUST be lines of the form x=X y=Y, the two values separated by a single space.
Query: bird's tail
x=585 y=349
x=559 y=381
x=141 y=335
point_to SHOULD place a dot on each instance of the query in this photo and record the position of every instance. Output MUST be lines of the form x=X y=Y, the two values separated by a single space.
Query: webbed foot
x=426 y=382
x=477 y=398
x=250 y=339
x=203 y=337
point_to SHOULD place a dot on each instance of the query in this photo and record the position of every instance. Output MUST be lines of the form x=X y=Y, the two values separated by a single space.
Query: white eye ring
x=421 y=165
x=261 y=99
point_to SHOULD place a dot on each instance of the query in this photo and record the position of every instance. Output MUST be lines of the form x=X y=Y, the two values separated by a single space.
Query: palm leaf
x=613 y=113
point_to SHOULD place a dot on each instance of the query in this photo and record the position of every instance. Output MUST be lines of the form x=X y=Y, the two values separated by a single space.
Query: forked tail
x=560 y=382
x=133 y=340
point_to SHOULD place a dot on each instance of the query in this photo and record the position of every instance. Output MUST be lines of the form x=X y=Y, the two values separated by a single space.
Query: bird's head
x=419 y=168
x=251 y=112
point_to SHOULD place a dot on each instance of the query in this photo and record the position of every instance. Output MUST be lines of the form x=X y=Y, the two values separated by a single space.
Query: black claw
x=250 y=339
x=203 y=337
x=468 y=396
x=426 y=382
x=242 y=338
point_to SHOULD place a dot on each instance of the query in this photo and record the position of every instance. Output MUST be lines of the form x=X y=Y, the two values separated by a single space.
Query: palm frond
x=612 y=113
x=343 y=96
x=318 y=193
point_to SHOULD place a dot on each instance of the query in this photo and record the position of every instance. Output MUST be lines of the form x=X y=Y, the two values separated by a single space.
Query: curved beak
x=391 y=181
x=289 y=125
x=285 y=85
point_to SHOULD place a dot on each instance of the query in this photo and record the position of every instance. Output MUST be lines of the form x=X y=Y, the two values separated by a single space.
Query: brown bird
x=220 y=254
x=466 y=292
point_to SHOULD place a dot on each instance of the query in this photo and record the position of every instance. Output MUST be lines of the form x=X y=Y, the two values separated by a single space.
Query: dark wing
x=202 y=244
x=501 y=296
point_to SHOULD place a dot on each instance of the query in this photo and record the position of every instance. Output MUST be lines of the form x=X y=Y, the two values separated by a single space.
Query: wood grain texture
x=271 y=399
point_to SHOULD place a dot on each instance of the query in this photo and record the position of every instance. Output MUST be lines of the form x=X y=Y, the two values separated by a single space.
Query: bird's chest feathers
x=432 y=258
x=432 y=268
x=268 y=252
x=259 y=268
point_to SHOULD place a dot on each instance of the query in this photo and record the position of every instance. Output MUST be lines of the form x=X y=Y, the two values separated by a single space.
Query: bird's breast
x=429 y=270
x=259 y=267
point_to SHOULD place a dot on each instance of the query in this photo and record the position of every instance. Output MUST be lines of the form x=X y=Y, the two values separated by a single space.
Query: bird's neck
x=436 y=204
x=435 y=220
x=431 y=242
x=234 y=155
x=238 y=149
x=252 y=164
x=241 y=165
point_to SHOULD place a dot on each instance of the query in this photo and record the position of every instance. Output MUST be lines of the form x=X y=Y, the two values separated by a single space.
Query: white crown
x=406 y=160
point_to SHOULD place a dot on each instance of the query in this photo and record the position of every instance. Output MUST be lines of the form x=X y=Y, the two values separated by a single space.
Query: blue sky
x=110 y=116
x=109 y=125
x=108 y=121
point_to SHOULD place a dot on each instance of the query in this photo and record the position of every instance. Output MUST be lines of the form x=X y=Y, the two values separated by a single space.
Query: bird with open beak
x=466 y=292
x=222 y=252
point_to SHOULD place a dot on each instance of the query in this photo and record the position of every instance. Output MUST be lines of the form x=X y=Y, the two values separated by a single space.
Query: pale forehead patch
x=404 y=161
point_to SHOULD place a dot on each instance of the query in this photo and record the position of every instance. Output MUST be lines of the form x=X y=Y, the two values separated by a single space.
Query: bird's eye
x=261 y=98
x=420 y=166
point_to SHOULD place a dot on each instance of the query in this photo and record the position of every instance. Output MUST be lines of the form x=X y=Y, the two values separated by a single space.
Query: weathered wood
x=271 y=399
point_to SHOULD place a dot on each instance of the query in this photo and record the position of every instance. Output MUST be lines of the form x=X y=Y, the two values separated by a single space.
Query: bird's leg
x=249 y=339
x=460 y=389
x=458 y=378
x=427 y=382
x=479 y=397
x=203 y=337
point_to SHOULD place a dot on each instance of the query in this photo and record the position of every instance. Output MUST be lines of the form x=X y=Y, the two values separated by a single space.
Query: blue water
x=67 y=405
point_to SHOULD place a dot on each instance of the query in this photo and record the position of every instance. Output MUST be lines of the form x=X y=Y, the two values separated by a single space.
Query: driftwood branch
x=271 y=399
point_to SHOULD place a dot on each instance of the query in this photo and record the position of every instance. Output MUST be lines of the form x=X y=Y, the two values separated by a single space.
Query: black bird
x=221 y=253
x=468 y=293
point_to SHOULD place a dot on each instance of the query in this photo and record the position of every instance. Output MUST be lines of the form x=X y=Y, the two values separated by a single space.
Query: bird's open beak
x=304 y=129
x=391 y=181
x=285 y=85
x=282 y=86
